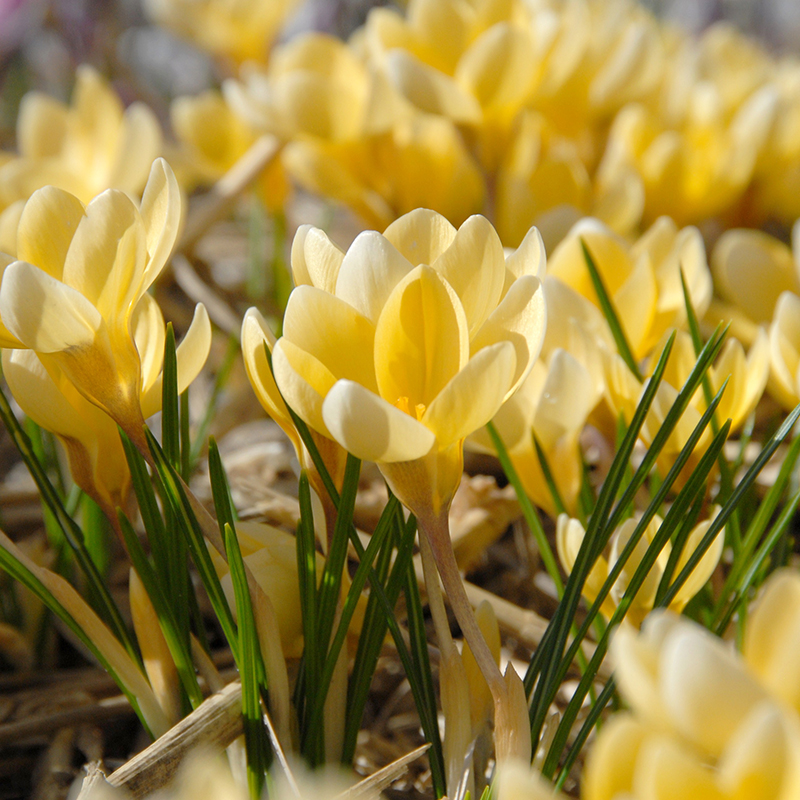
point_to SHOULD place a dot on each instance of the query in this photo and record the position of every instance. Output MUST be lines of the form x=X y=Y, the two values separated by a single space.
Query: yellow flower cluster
x=705 y=721
x=537 y=113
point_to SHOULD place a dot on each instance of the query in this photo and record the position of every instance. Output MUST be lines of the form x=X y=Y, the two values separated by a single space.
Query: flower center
x=404 y=405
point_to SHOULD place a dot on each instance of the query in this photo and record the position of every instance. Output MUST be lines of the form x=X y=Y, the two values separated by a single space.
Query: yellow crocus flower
x=706 y=723
x=700 y=168
x=77 y=296
x=91 y=145
x=784 y=351
x=643 y=280
x=569 y=536
x=241 y=30
x=751 y=270
x=404 y=345
x=212 y=137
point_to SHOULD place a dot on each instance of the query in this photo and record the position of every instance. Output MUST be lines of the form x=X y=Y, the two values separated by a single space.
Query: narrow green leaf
x=528 y=511
x=251 y=669
x=99 y=596
x=610 y=313
x=558 y=502
x=170 y=416
x=177 y=639
x=190 y=527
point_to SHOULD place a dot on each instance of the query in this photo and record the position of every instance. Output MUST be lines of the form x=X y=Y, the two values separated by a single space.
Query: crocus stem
x=435 y=599
x=437 y=532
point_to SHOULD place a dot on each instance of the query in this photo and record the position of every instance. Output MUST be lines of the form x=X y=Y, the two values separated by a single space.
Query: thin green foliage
x=558 y=502
x=98 y=595
x=251 y=669
x=175 y=635
x=21 y=573
x=529 y=512
x=610 y=313
x=190 y=527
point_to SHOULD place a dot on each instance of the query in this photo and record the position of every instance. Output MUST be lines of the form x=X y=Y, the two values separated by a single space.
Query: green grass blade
x=177 y=638
x=20 y=573
x=193 y=535
x=610 y=313
x=170 y=414
x=528 y=511
x=251 y=669
x=558 y=502
x=99 y=596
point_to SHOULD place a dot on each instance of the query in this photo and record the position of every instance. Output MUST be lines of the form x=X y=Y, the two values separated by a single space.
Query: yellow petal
x=106 y=259
x=421 y=235
x=149 y=335
x=566 y=399
x=707 y=690
x=520 y=319
x=611 y=764
x=315 y=259
x=473 y=396
x=333 y=332
x=752 y=269
x=635 y=302
x=761 y=759
x=420 y=339
x=161 y=214
x=703 y=571
x=304 y=381
x=370 y=270
x=430 y=90
x=772 y=637
x=372 y=429
x=41 y=126
x=58 y=213
x=191 y=355
x=44 y=313
x=255 y=335
x=529 y=258
x=474 y=265
x=138 y=143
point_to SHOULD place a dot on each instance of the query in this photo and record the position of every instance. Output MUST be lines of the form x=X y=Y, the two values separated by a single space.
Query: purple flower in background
x=17 y=19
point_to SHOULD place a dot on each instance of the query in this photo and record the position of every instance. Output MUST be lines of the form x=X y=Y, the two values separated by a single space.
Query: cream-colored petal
x=9 y=224
x=421 y=235
x=43 y=313
x=706 y=688
x=333 y=332
x=703 y=571
x=611 y=764
x=430 y=90
x=370 y=270
x=665 y=769
x=372 y=429
x=772 y=637
x=751 y=269
x=39 y=397
x=149 y=336
x=566 y=399
x=530 y=258
x=191 y=355
x=420 y=339
x=58 y=213
x=304 y=381
x=106 y=258
x=256 y=334
x=161 y=212
x=635 y=303
x=761 y=759
x=138 y=144
x=41 y=126
x=473 y=396
x=316 y=260
x=521 y=319
x=474 y=265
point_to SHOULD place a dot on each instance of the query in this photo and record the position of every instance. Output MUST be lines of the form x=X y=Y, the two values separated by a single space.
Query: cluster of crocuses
x=540 y=111
x=401 y=348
